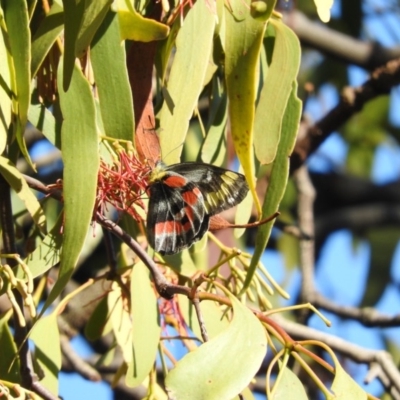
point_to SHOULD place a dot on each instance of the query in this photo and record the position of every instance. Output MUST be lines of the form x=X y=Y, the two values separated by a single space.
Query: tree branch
x=352 y=101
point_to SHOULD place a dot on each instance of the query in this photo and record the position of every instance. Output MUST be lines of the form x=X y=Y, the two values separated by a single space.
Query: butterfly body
x=182 y=197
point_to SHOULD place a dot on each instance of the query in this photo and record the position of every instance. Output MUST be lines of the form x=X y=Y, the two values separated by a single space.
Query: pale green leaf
x=238 y=352
x=164 y=50
x=213 y=150
x=146 y=328
x=46 y=337
x=275 y=92
x=192 y=54
x=182 y=263
x=120 y=321
x=5 y=91
x=19 y=185
x=115 y=95
x=278 y=178
x=243 y=41
x=288 y=386
x=81 y=164
x=344 y=387
x=19 y=38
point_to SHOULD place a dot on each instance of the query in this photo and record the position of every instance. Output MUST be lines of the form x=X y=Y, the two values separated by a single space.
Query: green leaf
x=40 y=117
x=17 y=21
x=73 y=17
x=275 y=92
x=9 y=365
x=46 y=337
x=95 y=12
x=115 y=95
x=278 y=179
x=81 y=165
x=164 y=50
x=182 y=263
x=192 y=49
x=146 y=328
x=243 y=41
x=47 y=33
x=121 y=322
x=5 y=89
x=289 y=386
x=238 y=352
x=47 y=254
x=213 y=150
x=99 y=323
x=18 y=183
x=343 y=386
x=134 y=26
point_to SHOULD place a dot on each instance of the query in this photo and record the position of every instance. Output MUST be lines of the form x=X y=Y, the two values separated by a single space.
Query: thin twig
x=203 y=330
x=305 y=211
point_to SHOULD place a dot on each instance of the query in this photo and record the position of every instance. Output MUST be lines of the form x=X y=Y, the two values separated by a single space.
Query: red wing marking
x=191 y=197
x=175 y=181
x=167 y=228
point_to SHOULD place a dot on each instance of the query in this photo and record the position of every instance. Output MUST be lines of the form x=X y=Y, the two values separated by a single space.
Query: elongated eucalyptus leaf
x=275 y=92
x=99 y=323
x=278 y=179
x=146 y=328
x=19 y=39
x=193 y=49
x=73 y=12
x=238 y=352
x=213 y=150
x=95 y=12
x=47 y=33
x=344 y=386
x=243 y=41
x=115 y=95
x=289 y=386
x=121 y=322
x=46 y=337
x=5 y=91
x=81 y=164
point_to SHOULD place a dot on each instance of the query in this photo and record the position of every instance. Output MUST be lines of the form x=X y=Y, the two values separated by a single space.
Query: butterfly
x=183 y=197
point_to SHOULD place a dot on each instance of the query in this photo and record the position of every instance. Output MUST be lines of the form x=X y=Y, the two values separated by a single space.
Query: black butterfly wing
x=176 y=217
x=221 y=188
